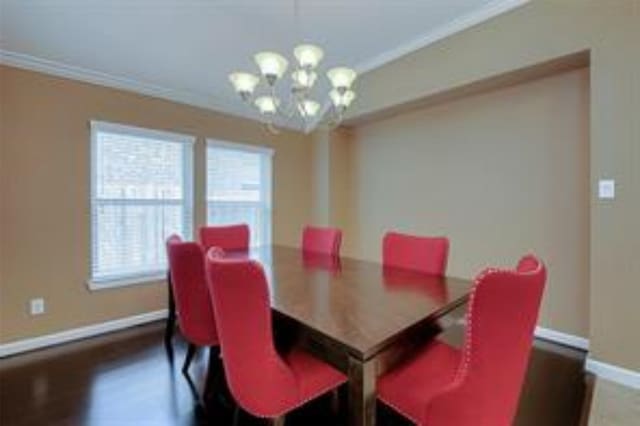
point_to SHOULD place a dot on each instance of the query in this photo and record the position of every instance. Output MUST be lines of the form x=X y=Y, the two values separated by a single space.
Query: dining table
x=357 y=315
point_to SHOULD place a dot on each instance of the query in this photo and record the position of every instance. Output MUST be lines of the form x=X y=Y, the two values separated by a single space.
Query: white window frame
x=188 y=170
x=267 y=175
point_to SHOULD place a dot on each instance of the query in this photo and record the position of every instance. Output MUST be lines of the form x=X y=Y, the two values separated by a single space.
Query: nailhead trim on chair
x=462 y=370
x=469 y=320
x=464 y=366
x=288 y=410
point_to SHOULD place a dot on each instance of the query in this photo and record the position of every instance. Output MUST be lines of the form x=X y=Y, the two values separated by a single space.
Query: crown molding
x=220 y=103
x=483 y=14
x=59 y=69
x=216 y=103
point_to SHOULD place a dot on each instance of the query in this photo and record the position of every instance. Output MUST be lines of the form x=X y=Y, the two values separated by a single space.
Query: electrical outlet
x=606 y=189
x=36 y=306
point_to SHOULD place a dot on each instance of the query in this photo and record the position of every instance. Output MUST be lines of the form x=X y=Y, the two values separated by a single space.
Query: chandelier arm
x=266 y=119
x=267 y=123
x=272 y=128
x=298 y=98
x=335 y=118
x=294 y=97
x=291 y=107
x=279 y=110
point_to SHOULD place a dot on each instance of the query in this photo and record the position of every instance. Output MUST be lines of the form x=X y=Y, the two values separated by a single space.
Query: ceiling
x=184 y=49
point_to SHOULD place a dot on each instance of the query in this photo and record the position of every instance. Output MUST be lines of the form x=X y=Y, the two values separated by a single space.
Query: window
x=239 y=187
x=141 y=192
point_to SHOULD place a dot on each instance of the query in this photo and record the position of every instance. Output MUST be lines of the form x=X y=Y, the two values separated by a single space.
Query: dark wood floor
x=126 y=379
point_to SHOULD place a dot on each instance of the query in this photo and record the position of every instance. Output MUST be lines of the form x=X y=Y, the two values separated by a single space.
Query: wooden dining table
x=357 y=315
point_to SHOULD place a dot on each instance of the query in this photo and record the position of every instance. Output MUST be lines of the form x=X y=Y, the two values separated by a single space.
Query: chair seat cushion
x=314 y=377
x=409 y=387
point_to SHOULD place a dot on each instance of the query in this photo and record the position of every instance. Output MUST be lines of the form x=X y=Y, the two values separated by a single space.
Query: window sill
x=125 y=281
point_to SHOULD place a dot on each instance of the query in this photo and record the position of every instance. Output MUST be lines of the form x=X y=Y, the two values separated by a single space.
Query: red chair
x=193 y=304
x=423 y=254
x=480 y=384
x=262 y=382
x=226 y=237
x=321 y=240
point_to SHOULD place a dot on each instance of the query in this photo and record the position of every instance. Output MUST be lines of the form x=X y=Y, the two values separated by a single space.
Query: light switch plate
x=606 y=189
x=36 y=306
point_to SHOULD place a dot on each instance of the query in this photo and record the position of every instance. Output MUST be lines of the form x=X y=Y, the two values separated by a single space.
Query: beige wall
x=537 y=32
x=44 y=124
x=44 y=188
x=331 y=163
x=501 y=174
x=321 y=185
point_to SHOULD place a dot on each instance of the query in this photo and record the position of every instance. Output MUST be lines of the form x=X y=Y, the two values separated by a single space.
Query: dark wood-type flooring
x=125 y=378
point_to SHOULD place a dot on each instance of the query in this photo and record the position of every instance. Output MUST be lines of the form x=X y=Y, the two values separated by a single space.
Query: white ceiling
x=184 y=49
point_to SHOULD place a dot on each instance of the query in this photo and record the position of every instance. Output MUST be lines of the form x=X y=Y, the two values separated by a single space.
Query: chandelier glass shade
x=260 y=90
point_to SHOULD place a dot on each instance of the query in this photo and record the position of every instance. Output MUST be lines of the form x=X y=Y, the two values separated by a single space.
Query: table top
x=358 y=304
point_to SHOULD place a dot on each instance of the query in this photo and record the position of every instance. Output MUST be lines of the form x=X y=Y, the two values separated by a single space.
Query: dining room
x=319 y=213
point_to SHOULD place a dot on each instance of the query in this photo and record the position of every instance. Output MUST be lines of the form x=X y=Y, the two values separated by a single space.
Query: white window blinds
x=141 y=193
x=239 y=188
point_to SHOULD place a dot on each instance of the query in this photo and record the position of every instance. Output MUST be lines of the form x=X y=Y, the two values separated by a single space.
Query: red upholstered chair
x=262 y=382
x=321 y=240
x=423 y=254
x=480 y=384
x=189 y=284
x=226 y=237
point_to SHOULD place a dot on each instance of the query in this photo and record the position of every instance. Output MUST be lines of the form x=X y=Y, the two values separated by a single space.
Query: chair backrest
x=423 y=254
x=502 y=315
x=188 y=279
x=260 y=381
x=322 y=240
x=227 y=237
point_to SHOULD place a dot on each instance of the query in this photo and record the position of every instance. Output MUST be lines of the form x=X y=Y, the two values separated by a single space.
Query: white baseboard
x=614 y=373
x=19 y=346
x=554 y=336
x=562 y=338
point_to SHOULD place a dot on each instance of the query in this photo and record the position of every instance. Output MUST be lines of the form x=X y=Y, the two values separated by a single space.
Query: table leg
x=362 y=392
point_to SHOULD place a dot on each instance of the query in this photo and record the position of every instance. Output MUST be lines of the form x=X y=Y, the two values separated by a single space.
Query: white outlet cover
x=36 y=306
x=606 y=189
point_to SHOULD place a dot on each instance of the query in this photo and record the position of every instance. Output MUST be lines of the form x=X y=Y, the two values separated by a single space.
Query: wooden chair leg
x=236 y=415
x=194 y=390
x=278 y=421
x=187 y=360
x=171 y=317
x=335 y=401
x=215 y=375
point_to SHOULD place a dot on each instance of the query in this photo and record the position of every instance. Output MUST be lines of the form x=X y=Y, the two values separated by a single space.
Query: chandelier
x=261 y=91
